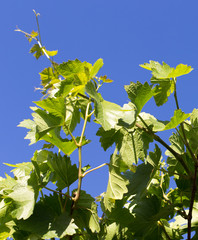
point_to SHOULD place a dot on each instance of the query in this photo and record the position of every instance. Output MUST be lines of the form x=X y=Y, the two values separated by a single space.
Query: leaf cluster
x=41 y=200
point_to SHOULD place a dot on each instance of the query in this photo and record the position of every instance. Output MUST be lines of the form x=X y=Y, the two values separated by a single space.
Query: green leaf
x=162 y=91
x=116 y=185
x=72 y=113
x=155 y=124
x=21 y=169
x=17 y=198
x=139 y=94
x=107 y=114
x=91 y=91
x=6 y=230
x=96 y=67
x=108 y=138
x=180 y=70
x=128 y=117
x=61 y=226
x=75 y=70
x=45 y=122
x=85 y=214
x=159 y=71
x=105 y=79
x=194 y=118
x=47 y=220
x=55 y=106
x=137 y=183
x=65 y=145
x=133 y=146
x=51 y=53
x=37 y=51
x=48 y=77
x=112 y=230
x=66 y=173
x=178 y=118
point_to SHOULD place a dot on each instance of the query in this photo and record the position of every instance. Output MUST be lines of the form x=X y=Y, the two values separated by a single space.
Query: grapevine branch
x=158 y=139
x=182 y=126
x=77 y=195
x=93 y=169
x=194 y=189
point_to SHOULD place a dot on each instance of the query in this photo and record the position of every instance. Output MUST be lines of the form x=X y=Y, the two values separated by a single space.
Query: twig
x=75 y=199
x=56 y=192
x=182 y=125
x=194 y=189
x=163 y=228
x=37 y=14
x=158 y=139
x=93 y=169
x=39 y=43
x=72 y=136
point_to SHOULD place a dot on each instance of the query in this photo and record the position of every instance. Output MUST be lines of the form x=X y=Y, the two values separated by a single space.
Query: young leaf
x=180 y=70
x=96 y=67
x=37 y=51
x=159 y=71
x=51 y=53
x=48 y=77
x=76 y=71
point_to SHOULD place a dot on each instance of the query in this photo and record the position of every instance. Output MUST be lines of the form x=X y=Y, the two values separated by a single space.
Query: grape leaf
x=139 y=94
x=163 y=91
x=66 y=173
x=17 y=198
x=37 y=51
x=96 y=67
x=85 y=213
x=178 y=118
x=55 y=106
x=116 y=185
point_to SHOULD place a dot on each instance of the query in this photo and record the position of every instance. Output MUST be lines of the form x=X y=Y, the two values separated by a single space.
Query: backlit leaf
x=180 y=70
x=178 y=118
x=96 y=67
x=139 y=94
x=116 y=185
x=107 y=114
x=66 y=173
x=37 y=51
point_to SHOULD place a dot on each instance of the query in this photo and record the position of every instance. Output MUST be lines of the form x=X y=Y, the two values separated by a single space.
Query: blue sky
x=124 y=33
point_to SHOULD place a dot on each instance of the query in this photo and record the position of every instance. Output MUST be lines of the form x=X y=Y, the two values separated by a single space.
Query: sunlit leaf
x=37 y=51
x=51 y=53
x=17 y=198
x=178 y=118
x=107 y=114
x=180 y=70
x=96 y=67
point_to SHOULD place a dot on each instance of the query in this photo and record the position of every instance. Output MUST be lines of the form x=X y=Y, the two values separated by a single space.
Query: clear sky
x=124 y=33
